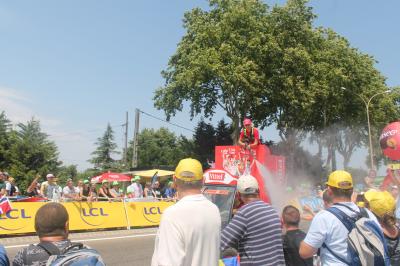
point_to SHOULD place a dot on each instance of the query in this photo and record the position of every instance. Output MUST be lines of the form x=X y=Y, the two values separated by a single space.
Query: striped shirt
x=255 y=231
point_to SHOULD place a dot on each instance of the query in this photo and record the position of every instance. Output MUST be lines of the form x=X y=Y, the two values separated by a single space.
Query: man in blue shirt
x=326 y=228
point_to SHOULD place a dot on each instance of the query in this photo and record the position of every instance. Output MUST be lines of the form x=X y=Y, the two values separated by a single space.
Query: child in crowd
x=293 y=237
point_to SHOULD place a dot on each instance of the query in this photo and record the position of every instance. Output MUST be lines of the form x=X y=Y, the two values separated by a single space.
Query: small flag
x=5 y=205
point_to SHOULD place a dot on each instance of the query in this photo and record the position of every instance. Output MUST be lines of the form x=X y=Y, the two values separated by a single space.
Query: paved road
x=122 y=247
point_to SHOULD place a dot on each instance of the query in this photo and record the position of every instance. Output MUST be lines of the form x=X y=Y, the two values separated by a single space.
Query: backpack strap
x=72 y=246
x=50 y=248
x=347 y=221
x=334 y=254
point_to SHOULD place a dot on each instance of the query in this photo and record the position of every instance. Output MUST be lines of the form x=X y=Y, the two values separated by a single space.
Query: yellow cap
x=370 y=194
x=340 y=179
x=189 y=170
x=381 y=203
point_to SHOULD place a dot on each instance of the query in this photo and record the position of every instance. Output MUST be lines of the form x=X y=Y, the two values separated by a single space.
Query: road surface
x=121 y=247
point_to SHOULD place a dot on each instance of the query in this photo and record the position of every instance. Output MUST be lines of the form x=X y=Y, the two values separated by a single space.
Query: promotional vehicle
x=233 y=161
x=220 y=188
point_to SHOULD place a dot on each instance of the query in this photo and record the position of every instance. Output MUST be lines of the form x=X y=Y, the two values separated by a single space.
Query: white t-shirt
x=189 y=234
x=326 y=228
x=135 y=189
x=70 y=191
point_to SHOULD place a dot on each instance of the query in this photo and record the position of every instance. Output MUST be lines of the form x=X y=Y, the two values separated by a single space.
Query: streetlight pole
x=371 y=151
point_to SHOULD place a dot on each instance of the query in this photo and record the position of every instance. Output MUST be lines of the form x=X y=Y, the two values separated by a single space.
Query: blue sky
x=77 y=65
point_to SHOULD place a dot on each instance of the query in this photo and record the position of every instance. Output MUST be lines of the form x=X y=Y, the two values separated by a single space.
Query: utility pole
x=126 y=141
x=135 y=139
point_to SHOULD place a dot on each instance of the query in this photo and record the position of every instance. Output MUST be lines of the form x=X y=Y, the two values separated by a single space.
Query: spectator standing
x=189 y=231
x=170 y=191
x=12 y=189
x=255 y=229
x=49 y=189
x=293 y=237
x=147 y=190
x=2 y=184
x=104 y=191
x=383 y=205
x=92 y=193
x=114 y=191
x=155 y=190
x=51 y=225
x=135 y=189
x=34 y=188
x=79 y=186
x=70 y=193
x=84 y=191
x=327 y=229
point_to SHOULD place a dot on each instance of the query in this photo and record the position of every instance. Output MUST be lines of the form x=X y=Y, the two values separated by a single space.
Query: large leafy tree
x=31 y=152
x=106 y=147
x=161 y=148
x=216 y=63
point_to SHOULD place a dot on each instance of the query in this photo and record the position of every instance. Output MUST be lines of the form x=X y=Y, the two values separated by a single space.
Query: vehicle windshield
x=223 y=197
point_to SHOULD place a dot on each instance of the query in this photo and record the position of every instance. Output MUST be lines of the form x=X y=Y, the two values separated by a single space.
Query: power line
x=163 y=120
x=83 y=132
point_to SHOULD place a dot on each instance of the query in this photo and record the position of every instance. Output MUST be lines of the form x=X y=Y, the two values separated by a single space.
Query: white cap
x=49 y=175
x=247 y=184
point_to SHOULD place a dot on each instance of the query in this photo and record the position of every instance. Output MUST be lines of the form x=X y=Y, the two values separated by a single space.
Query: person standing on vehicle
x=255 y=229
x=189 y=231
x=249 y=136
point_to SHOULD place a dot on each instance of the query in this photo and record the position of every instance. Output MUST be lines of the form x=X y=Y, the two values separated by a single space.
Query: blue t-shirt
x=326 y=228
x=169 y=193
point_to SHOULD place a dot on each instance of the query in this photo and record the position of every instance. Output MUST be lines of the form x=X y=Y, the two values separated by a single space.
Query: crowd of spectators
x=84 y=190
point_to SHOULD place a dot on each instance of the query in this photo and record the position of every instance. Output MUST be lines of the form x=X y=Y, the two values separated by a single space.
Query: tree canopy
x=274 y=65
x=106 y=147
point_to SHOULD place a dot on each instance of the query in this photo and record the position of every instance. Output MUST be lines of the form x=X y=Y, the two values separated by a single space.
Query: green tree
x=5 y=128
x=31 y=153
x=204 y=142
x=159 y=148
x=106 y=147
x=216 y=63
x=66 y=172
x=223 y=134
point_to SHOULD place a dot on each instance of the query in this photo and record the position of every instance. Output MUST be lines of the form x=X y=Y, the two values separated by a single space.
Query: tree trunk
x=235 y=129
x=346 y=160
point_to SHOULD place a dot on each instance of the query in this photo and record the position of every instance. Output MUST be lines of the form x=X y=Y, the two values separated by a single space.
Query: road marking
x=93 y=239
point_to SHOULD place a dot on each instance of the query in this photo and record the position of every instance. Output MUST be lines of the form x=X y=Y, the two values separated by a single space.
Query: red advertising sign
x=219 y=177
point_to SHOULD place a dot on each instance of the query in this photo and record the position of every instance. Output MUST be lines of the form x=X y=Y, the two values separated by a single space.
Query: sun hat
x=381 y=203
x=115 y=183
x=50 y=176
x=189 y=170
x=247 y=184
x=104 y=181
x=340 y=179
